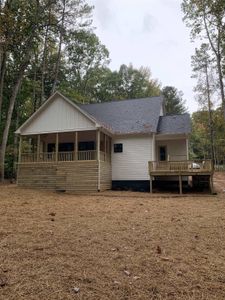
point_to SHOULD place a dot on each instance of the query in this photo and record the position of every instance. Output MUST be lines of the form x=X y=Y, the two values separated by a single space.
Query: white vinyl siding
x=58 y=116
x=132 y=163
x=176 y=149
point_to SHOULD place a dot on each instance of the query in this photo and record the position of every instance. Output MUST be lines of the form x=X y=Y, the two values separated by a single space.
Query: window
x=66 y=147
x=118 y=148
x=86 y=146
x=51 y=147
x=63 y=147
x=162 y=153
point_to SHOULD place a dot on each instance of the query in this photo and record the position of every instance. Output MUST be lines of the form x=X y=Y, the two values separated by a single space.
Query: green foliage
x=174 y=102
x=200 y=138
x=126 y=83
x=206 y=18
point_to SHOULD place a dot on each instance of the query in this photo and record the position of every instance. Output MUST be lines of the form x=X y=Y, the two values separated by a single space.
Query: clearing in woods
x=114 y=245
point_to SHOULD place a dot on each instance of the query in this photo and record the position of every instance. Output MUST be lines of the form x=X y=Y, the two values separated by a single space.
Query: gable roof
x=127 y=116
x=174 y=124
x=46 y=104
x=135 y=116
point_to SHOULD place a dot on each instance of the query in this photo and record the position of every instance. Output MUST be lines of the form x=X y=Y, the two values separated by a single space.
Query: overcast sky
x=148 y=33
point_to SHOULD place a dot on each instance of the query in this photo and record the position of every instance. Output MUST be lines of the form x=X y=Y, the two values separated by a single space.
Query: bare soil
x=113 y=245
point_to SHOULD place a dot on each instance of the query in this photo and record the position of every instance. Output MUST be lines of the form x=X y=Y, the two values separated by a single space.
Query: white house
x=93 y=147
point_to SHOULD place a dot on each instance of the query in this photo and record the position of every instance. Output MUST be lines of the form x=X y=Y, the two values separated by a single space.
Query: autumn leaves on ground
x=111 y=245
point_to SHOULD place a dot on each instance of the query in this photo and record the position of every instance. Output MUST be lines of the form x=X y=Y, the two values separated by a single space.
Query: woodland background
x=49 y=45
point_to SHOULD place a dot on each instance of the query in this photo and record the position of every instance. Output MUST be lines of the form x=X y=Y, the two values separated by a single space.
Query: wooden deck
x=181 y=169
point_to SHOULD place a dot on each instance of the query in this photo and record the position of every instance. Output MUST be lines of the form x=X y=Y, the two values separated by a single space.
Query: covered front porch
x=78 y=161
x=65 y=146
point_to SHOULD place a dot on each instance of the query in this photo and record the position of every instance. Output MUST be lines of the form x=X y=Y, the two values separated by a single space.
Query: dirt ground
x=114 y=245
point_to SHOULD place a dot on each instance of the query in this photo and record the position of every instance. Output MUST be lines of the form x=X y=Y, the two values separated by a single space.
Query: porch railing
x=63 y=156
x=46 y=157
x=181 y=166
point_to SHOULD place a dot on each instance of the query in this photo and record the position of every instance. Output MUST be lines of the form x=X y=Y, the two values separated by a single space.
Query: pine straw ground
x=114 y=245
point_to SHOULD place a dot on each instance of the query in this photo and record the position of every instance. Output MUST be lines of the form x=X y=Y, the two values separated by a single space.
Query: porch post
x=180 y=184
x=57 y=147
x=98 y=157
x=153 y=147
x=20 y=148
x=187 y=148
x=38 y=147
x=105 y=147
x=76 y=146
x=98 y=144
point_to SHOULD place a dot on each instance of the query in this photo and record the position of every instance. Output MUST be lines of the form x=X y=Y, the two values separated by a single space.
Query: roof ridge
x=120 y=100
x=170 y=115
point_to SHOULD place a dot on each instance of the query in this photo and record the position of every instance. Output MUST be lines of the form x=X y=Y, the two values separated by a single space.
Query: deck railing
x=181 y=166
x=63 y=156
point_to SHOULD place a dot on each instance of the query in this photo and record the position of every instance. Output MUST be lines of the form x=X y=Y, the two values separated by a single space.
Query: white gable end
x=58 y=116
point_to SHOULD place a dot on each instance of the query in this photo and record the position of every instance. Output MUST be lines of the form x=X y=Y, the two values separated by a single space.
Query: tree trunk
x=44 y=66
x=34 y=87
x=220 y=73
x=8 y=120
x=15 y=144
x=217 y=51
x=45 y=56
x=212 y=147
x=59 y=49
x=2 y=77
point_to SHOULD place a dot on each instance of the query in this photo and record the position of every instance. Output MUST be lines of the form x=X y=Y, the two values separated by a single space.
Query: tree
x=200 y=145
x=136 y=83
x=32 y=38
x=203 y=71
x=174 y=102
x=206 y=18
x=71 y=12
x=126 y=83
x=90 y=80
x=21 y=24
x=85 y=55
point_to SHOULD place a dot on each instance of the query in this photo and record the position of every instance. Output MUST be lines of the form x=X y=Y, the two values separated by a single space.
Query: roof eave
x=46 y=103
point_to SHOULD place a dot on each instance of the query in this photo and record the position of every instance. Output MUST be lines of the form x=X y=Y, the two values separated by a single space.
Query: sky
x=148 y=33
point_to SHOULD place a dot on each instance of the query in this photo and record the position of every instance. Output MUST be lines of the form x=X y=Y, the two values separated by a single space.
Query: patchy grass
x=113 y=245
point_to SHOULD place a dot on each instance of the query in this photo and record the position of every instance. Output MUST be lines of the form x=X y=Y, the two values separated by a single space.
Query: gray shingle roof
x=127 y=116
x=174 y=124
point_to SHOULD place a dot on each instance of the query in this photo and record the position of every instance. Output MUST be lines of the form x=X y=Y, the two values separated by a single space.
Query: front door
x=162 y=153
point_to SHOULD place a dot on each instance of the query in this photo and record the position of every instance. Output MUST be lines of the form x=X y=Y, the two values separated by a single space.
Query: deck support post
x=151 y=184
x=76 y=146
x=38 y=147
x=98 y=157
x=20 y=148
x=211 y=184
x=180 y=184
x=57 y=147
